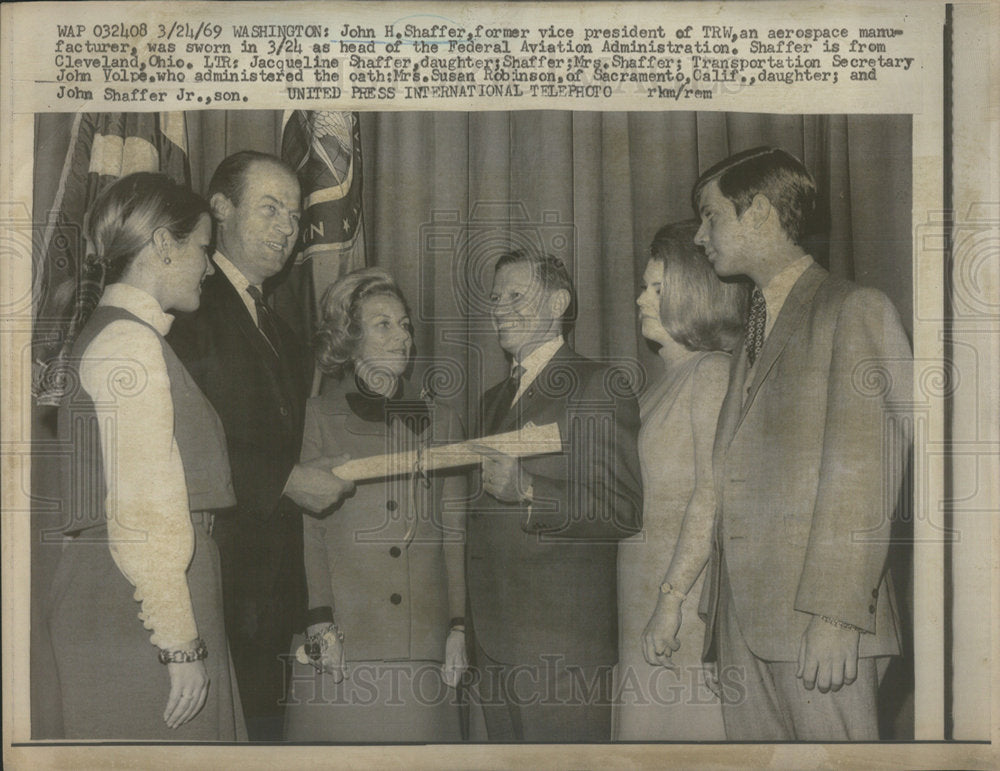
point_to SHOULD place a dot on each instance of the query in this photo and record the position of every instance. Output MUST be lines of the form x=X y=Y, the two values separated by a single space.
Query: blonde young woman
x=694 y=319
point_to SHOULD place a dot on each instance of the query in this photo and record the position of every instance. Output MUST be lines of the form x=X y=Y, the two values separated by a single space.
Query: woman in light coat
x=385 y=642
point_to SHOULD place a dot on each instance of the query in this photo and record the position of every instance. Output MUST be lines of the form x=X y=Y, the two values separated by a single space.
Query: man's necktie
x=755 y=325
x=265 y=319
x=506 y=397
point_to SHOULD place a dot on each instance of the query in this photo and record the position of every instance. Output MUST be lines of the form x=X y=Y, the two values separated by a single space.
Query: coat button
x=391 y=505
x=871 y=608
x=394 y=551
x=395 y=599
x=875 y=593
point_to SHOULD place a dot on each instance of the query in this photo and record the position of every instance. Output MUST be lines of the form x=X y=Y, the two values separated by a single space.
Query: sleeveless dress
x=105 y=678
x=655 y=703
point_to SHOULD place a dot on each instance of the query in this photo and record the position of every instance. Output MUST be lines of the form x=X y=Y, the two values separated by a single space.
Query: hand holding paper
x=527 y=441
x=313 y=487
x=503 y=477
x=456 y=660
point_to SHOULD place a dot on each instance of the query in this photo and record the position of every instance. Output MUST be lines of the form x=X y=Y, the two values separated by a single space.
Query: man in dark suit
x=808 y=456
x=257 y=374
x=543 y=532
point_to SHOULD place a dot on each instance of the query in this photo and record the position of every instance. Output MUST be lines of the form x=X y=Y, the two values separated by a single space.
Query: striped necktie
x=265 y=319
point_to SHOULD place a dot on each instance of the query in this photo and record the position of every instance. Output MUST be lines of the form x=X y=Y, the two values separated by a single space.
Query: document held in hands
x=527 y=441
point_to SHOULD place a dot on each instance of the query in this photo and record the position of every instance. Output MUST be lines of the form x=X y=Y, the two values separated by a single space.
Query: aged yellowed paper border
x=963 y=430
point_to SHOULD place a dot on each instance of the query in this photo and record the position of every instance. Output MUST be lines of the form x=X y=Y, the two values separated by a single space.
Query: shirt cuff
x=320 y=615
x=168 y=614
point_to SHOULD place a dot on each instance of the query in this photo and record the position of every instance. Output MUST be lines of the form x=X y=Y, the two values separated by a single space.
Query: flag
x=103 y=147
x=324 y=148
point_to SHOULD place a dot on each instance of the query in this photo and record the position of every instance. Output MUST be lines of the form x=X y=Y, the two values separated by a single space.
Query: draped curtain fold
x=608 y=181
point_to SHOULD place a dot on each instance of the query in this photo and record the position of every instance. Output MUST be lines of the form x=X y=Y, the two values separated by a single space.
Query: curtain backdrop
x=610 y=180
x=593 y=186
x=441 y=190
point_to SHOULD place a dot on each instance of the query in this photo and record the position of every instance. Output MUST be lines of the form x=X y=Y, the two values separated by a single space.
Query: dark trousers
x=545 y=700
x=263 y=589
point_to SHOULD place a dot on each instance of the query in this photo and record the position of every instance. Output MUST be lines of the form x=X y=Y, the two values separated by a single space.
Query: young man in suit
x=256 y=374
x=543 y=532
x=808 y=457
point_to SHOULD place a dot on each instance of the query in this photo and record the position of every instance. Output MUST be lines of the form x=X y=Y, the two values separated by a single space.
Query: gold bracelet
x=668 y=588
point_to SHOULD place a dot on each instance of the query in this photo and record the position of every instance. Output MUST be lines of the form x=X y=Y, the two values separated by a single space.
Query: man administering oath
x=256 y=374
x=807 y=461
x=543 y=532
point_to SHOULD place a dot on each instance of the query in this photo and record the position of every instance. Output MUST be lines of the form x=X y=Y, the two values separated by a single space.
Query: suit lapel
x=788 y=322
x=236 y=310
x=491 y=405
x=233 y=314
x=730 y=414
x=518 y=413
x=514 y=415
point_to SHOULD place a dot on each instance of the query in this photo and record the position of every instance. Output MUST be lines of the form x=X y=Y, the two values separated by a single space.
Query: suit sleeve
x=453 y=523
x=302 y=366
x=593 y=491
x=865 y=443
x=321 y=600
x=213 y=350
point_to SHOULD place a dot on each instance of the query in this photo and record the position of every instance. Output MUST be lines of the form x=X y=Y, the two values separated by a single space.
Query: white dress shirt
x=149 y=525
x=239 y=282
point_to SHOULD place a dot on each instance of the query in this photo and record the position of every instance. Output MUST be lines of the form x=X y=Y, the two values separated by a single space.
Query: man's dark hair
x=230 y=176
x=551 y=273
x=777 y=175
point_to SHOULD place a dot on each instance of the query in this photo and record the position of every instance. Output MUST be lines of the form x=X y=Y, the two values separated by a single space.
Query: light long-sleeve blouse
x=149 y=525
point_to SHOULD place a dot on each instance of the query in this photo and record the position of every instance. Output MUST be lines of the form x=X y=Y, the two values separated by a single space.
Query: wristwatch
x=184 y=656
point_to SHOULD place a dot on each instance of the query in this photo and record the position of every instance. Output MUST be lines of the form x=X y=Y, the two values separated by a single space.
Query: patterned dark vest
x=197 y=431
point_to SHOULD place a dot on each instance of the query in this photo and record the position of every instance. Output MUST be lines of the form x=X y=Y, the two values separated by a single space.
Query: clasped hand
x=314 y=487
x=331 y=660
x=659 y=640
x=503 y=477
x=456 y=661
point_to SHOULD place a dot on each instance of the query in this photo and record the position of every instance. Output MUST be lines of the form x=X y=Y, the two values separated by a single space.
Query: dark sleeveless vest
x=198 y=432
